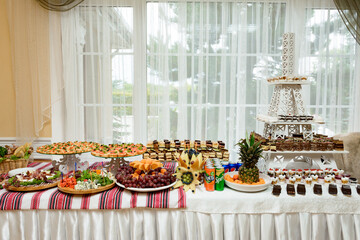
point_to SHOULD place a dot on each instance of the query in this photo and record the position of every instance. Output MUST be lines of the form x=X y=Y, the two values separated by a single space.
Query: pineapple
x=250 y=152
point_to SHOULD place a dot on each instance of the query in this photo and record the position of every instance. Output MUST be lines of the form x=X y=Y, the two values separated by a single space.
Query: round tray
x=31 y=188
x=248 y=188
x=117 y=157
x=146 y=189
x=62 y=153
x=89 y=191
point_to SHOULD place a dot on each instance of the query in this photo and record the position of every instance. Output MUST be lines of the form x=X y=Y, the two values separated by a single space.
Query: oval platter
x=30 y=188
x=89 y=191
x=248 y=188
x=146 y=189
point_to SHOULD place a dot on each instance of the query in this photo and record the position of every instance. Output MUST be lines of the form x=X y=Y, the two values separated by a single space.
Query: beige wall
x=7 y=91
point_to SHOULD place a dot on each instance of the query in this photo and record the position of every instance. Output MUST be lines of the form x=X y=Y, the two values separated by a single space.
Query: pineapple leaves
x=252 y=139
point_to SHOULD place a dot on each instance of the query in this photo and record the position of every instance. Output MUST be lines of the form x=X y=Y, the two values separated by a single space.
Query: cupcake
x=344 y=180
x=306 y=172
x=327 y=171
x=299 y=172
x=341 y=172
x=308 y=180
x=320 y=172
x=335 y=172
x=285 y=172
x=328 y=179
x=291 y=172
x=313 y=171
x=298 y=178
x=315 y=177
x=332 y=177
x=274 y=180
x=282 y=178
x=277 y=172
x=271 y=172
x=292 y=180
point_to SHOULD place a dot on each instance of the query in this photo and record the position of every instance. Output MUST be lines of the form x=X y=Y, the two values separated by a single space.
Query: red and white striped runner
x=116 y=198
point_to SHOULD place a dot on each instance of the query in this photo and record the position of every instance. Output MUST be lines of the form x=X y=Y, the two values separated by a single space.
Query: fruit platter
x=66 y=148
x=118 y=150
x=147 y=175
x=33 y=180
x=87 y=182
x=232 y=180
x=248 y=178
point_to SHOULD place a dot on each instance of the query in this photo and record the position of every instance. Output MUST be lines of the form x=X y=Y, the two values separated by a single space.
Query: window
x=197 y=69
x=330 y=60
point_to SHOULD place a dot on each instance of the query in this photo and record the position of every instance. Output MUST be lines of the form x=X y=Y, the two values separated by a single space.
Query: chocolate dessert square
x=318 y=189
x=276 y=190
x=290 y=188
x=301 y=189
x=346 y=190
x=358 y=189
x=333 y=189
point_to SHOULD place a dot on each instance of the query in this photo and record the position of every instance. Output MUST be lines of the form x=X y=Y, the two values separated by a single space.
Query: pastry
x=314 y=178
x=333 y=189
x=276 y=190
x=298 y=178
x=317 y=189
x=282 y=178
x=346 y=190
x=328 y=179
x=274 y=180
x=308 y=180
x=301 y=189
x=292 y=180
x=344 y=180
x=271 y=172
x=290 y=188
x=353 y=180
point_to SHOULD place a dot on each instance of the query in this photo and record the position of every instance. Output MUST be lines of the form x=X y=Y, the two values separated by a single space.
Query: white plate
x=146 y=189
x=248 y=188
x=20 y=170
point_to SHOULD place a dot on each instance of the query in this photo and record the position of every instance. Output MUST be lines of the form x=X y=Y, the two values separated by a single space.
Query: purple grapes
x=153 y=179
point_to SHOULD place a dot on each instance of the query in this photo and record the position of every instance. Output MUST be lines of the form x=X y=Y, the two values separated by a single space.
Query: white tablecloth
x=209 y=215
x=174 y=224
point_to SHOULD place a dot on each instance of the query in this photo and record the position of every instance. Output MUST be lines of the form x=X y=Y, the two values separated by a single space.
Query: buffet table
x=120 y=214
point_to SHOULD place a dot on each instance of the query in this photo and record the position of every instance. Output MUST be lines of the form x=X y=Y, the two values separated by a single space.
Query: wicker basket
x=8 y=164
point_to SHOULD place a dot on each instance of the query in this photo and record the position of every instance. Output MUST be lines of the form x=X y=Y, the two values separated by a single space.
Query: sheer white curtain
x=96 y=88
x=208 y=61
x=327 y=53
x=207 y=65
x=143 y=70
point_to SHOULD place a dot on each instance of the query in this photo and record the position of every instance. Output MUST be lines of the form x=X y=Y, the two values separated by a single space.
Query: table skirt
x=174 y=224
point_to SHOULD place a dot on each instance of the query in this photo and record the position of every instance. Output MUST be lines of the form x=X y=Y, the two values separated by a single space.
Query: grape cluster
x=153 y=179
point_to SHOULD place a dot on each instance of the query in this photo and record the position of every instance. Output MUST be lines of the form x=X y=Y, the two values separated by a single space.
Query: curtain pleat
x=29 y=37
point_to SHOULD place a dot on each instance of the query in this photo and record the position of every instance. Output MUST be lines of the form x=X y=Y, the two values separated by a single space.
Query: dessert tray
x=248 y=188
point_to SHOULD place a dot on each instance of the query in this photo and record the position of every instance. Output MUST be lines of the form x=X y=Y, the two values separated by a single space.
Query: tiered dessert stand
x=67 y=162
x=287 y=101
x=115 y=162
